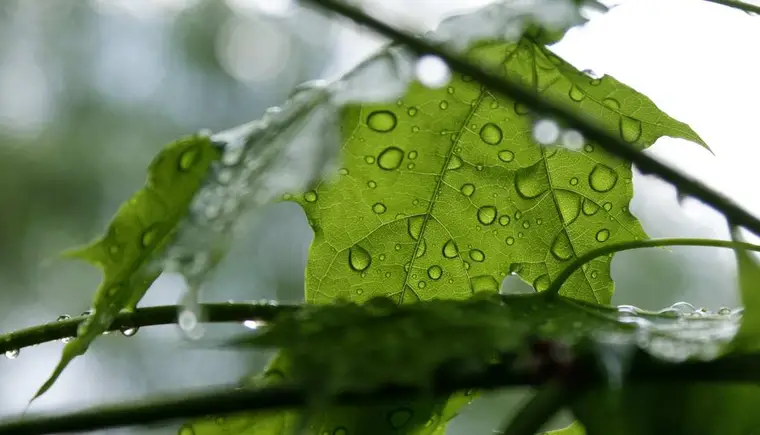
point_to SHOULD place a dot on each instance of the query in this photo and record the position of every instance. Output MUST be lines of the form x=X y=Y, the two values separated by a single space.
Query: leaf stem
x=232 y=400
x=547 y=401
x=742 y=6
x=151 y=316
x=559 y=110
x=556 y=285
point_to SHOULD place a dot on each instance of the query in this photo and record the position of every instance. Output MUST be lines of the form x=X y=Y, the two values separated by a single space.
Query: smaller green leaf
x=748 y=337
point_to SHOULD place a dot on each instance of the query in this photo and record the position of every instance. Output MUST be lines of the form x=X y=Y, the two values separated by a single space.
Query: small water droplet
x=343 y=171
x=491 y=134
x=414 y=226
x=546 y=132
x=467 y=189
x=683 y=307
x=573 y=140
x=358 y=258
x=506 y=156
x=382 y=121
x=542 y=283
x=450 y=249
x=484 y=283
x=435 y=272
x=589 y=207
x=310 y=196
x=410 y=166
x=390 y=158
x=518 y=215
x=369 y=160
x=421 y=284
x=532 y=181
x=487 y=214
x=443 y=105
x=602 y=235
x=504 y=220
x=129 y=331
x=187 y=320
x=574 y=181
x=412 y=155
x=576 y=94
x=412 y=111
x=399 y=417
x=594 y=274
x=12 y=353
x=510 y=241
x=454 y=163
x=561 y=248
x=379 y=208
x=477 y=255
x=611 y=103
x=371 y=184
x=521 y=109
x=602 y=178
x=526 y=224
x=607 y=206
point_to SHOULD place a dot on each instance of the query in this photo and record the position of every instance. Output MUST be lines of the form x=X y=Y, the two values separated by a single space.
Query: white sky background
x=697 y=61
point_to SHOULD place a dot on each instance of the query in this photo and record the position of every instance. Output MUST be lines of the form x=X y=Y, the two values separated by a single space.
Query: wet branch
x=742 y=6
x=556 y=109
x=151 y=316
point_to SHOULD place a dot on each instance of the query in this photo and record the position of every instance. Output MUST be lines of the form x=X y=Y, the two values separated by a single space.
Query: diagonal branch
x=161 y=315
x=588 y=127
x=742 y=6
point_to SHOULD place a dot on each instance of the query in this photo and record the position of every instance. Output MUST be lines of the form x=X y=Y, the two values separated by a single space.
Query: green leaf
x=748 y=337
x=445 y=192
x=136 y=235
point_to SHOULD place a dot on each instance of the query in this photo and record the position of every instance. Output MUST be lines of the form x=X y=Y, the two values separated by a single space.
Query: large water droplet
x=382 y=121
x=546 y=132
x=531 y=182
x=414 y=226
x=450 y=249
x=506 y=156
x=630 y=129
x=487 y=214
x=576 y=94
x=435 y=272
x=358 y=258
x=484 y=283
x=590 y=207
x=467 y=189
x=491 y=134
x=542 y=283
x=477 y=255
x=390 y=158
x=603 y=235
x=602 y=178
x=561 y=248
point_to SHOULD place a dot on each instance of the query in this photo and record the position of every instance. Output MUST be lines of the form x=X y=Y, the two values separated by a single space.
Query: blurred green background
x=91 y=90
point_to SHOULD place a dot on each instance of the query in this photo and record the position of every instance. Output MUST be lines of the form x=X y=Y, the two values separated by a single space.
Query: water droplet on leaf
x=467 y=189
x=310 y=196
x=379 y=208
x=382 y=121
x=435 y=272
x=484 y=283
x=454 y=163
x=390 y=158
x=561 y=247
x=414 y=226
x=542 y=283
x=630 y=129
x=531 y=182
x=477 y=255
x=450 y=249
x=506 y=156
x=487 y=214
x=12 y=353
x=358 y=258
x=602 y=178
x=491 y=134
x=432 y=71
x=602 y=235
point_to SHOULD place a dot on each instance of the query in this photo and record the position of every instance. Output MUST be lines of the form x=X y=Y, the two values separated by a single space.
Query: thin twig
x=151 y=316
x=568 y=271
x=579 y=121
x=742 y=6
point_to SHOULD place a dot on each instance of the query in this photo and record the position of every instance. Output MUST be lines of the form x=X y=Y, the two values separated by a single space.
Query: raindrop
x=12 y=353
x=611 y=103
x=602 y=178
x=532 y=181
x=379 y=208
x=590 y=207
x=724 y=311
x=414 y=226
x=504 y=220
x=382 y=121
x=421 y=248
x=62 y=317
x=607 y=206
x=484 y=283
x=369 y=160
x=546 y=132
x=506 y=156
x=371 y=184
x=518 y=214
x=435 y=272
x=410 y=166
x=574 y=181
x=510 y=241
x=630 y=129
x=421 y=284
x=454 y=163
x=491 y=134
x=542 y=283
x=128 y=331
x=561 y=248
x=487 y=214
x=602 y=235
x=477 y=255
x=187 y=320
x=390 y=158
x=467 y=189
x=628 y=309
x=526 y=224
x=310 y=196
x=576 y=94
x=444 y=105
x=521 y=109
x=343 y=171
x=683 y=307
x=432 y=71
x=450 y=249
x=412 y=111
x=588 y=148
x=358 y=258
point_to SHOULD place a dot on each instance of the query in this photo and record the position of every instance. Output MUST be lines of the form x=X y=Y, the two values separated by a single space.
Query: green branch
x=547 y=401
x=746 y=7
x=162 y=315
x=637 y=244
x=561 y=111
x=231 y=400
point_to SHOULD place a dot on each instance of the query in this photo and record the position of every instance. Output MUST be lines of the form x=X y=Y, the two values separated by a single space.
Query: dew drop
x=371 y=184
x=594 y=274
x=491 y=134
x=454 y=163
x=607 y=206
x=602 y=178
x=541 y=283
x=611 y=103
x=129 y=331
x=477 y=255
x=390 y=158
x=421 y=248
x=630 y=129
x=518 y=215
x=382 y=121
x=412 y=155
x=526 y=224
x=432 y=71
x=510 y=241
x=443 y=105
x=602 y=235
x=410 y=166
x=521 y=109
x=590 y=207
x=187 y=320
x=467 y=189
x=546 y=132
x=574 y=181
x=412 y=111
x=310 y=196
x=506 y=156
x=588 y=148
x=450 y=249
x=484 y=283
x=62 y=317
x=576 y=94
x=358 y=258
x=435 y=272
x=414 y=226
x=487 y=214
x=421 y=284
x=343 y=171
x=12 y=353
x=504 y=220
x=369 y=160
x=379 y=208
x=531 y=182
x=561 y=247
